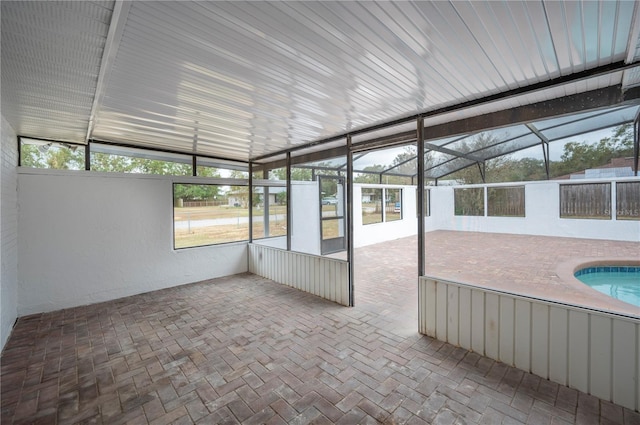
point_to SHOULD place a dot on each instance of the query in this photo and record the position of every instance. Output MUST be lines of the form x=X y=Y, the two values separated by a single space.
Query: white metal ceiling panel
x=244 y=79
x=631 y=77
x=51 y=54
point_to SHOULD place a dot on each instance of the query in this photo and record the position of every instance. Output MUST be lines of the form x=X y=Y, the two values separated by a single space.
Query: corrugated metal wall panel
x=522 y=341
x=558 y=332
x=625 y=340
x=507 y=330
x=600 y=356
x=540 y=340
x=492 y=330
x=325 y=277
x=594 y=352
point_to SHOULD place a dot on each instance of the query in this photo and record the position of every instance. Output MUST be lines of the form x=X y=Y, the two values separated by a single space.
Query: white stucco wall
x=87 y=237
x=8 y=230
x=305 y=216
x=274 y=242
x=542 y=217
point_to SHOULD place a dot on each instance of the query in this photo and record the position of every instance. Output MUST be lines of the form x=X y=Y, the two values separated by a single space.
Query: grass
x=376 y=217
x=216 y=234
x=222 y=211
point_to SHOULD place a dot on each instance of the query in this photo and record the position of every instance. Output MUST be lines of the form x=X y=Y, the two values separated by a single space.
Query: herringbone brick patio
x=243 y=349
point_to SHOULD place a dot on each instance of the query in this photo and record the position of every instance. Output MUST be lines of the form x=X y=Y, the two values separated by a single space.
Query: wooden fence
x=505 y=201
x=587 y=200
x=628 y=200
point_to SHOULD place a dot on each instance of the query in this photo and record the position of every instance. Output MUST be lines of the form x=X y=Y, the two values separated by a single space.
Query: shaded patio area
x=243 y=349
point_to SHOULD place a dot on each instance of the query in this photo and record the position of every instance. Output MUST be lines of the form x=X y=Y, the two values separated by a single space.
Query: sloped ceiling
x=239 y=80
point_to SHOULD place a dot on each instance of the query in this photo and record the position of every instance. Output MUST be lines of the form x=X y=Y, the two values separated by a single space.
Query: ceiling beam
x=116 y=29
x=581 y=102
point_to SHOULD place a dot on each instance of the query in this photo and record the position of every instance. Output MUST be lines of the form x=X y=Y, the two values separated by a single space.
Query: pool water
x=622 y=283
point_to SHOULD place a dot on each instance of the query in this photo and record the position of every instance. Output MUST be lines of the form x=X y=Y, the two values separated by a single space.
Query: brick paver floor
x=243 y=349
x=537 y=266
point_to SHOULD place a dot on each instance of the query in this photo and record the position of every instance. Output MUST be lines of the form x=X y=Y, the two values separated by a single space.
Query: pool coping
x=567 y=269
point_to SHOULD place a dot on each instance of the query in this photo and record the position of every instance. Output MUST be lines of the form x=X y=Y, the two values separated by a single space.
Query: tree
x=525 y=169
x=202 y=171
x=578 y=156
x=404 y=163
x=494 y=168
x=196 y=192
x=297 y=174
x=372 y=177
x=57 y=156
x=111 y=163
x=169 y=168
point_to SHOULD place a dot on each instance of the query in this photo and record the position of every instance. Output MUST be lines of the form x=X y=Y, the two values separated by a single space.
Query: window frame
x=482 y=212
x=229 y=184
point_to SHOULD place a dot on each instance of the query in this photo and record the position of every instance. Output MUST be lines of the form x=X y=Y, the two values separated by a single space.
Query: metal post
x=350 y=241
x=250 y=203
x=545 y=156
x=421 y=194
x=19 y=139
x=265 y=204
x=87 y=156
x=481 y=169
x=289 y=201
x=194 y=166
x=636 y=144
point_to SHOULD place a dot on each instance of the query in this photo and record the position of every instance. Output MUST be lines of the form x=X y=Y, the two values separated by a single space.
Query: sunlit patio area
x=535 y=266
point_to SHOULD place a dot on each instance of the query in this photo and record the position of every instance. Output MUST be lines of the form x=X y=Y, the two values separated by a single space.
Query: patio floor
x=243 y=349
x=537 y=266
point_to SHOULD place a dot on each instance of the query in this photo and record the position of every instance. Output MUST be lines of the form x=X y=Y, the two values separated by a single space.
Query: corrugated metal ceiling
x=243 y=79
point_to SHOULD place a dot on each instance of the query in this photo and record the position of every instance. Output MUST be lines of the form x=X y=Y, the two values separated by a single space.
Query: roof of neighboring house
x=617 y=167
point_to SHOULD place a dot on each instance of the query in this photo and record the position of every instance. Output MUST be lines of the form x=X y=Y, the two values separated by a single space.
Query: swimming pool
x=620 y=282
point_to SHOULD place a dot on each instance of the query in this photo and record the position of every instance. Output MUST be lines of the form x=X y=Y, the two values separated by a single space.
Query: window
x=393 y=201
x=427 y=202
x=628 y=200
x=45 y=154
x=118 y=159
x=469 y=201
x=505 y=201
x=586 y=201
x=371 y=205
x=209 y=214
x=269 y=211
x=373 y=200
x=209 y=167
